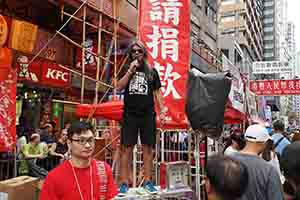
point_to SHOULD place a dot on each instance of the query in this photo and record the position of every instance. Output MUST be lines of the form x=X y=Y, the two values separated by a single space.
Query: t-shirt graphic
x=138 y=84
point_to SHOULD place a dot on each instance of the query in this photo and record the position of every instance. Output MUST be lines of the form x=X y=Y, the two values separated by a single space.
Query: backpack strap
x=278 y=142
x=102 y=179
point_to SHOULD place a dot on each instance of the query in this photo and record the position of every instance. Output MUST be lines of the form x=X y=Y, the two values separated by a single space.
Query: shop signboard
x=54 y=75
x=23 y=36
x=41 y=71
x=275 y=87
x=164 y=28
x=271 y=67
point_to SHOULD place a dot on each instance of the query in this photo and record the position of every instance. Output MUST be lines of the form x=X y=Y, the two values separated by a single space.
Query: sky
x=294 y=15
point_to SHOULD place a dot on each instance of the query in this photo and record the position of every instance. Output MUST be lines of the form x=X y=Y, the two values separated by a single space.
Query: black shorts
x=133 y=125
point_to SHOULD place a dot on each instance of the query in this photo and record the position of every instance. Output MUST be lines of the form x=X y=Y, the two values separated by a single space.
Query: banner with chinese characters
x=275 y=87
x=164 y=28
x=271 y=67
x=8 y=88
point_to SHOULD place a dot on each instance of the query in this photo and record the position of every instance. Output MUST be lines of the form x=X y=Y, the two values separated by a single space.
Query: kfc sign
x=53 y=75
x=57 y=75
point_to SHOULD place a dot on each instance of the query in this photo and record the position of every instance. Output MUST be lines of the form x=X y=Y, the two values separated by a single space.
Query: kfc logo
x=24 y=71
x=57 y=75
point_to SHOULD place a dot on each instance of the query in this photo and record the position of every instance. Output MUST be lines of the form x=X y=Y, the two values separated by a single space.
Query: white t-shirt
x=229 y=151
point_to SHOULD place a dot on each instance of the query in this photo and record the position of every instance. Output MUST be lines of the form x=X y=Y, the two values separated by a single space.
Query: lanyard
x=77 y=182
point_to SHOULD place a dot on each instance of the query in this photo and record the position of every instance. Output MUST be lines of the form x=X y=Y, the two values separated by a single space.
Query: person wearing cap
x=279 y=140
x=290 y=164
x=264 y=181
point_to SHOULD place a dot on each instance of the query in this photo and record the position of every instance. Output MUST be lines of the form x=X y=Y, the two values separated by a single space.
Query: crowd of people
x=256 y=165
x=270 y=159
x=41 y=150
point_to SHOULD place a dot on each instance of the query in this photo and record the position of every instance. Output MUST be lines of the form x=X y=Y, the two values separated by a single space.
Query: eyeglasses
x=83 y=141
x=137 y=51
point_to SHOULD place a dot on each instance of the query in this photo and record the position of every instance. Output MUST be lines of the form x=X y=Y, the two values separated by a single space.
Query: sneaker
x=149 y=187
x=123 y=189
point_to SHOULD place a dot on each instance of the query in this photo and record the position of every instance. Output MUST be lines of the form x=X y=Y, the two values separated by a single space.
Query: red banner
x=8 y=88
x=164 y=27
x=275 y=87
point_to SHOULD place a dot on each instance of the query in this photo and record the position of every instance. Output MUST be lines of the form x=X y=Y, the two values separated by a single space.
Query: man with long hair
x=142 y=86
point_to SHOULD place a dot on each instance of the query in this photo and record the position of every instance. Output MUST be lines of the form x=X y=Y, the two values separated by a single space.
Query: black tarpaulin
x=207 y=95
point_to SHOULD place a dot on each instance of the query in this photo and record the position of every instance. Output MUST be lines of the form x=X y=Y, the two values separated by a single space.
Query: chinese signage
x=273 y=67
x=164 y=27
x=237 y=94
x=275 y=87
x=8 y=88
x=23 y=36
x=252 y=104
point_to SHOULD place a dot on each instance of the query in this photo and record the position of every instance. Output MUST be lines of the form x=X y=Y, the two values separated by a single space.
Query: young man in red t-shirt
x=81 y=177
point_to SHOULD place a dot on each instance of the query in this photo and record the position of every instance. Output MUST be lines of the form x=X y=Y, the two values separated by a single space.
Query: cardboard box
x=19 y=188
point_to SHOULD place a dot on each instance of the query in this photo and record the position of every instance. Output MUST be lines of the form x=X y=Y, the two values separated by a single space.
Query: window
x=227 y=18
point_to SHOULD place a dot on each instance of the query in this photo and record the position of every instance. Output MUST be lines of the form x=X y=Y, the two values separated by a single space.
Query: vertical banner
x=8 y=88
x=237 y=93
x=164 y=28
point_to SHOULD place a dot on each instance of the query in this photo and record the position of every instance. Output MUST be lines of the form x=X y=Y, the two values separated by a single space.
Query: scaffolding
x=108 y=26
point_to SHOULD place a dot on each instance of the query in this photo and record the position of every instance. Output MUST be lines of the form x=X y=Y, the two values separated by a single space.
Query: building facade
x=204 y=35
x=240 y=31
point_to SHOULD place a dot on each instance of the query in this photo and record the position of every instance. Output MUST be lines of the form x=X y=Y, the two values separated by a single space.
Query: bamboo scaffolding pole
x=105 y=93
x=52 y=38
x=99 y=53
x=83 y=56
x=88 y=23
x=115 y=45
x=109 y=54
x=86 y=76
x=82 y=47
x=65 y=102
x=110 y=17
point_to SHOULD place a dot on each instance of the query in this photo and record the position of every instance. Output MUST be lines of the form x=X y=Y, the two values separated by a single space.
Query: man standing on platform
x=81 y=177
x=142 y=85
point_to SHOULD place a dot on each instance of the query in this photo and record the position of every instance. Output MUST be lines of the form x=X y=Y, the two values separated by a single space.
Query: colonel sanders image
x=89 y=58
x=23 y=63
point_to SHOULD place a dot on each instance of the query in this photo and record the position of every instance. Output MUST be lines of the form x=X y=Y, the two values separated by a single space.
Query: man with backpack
x=279 y=140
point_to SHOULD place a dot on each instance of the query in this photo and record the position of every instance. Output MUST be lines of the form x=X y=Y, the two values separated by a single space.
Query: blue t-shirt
x=283 y=143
